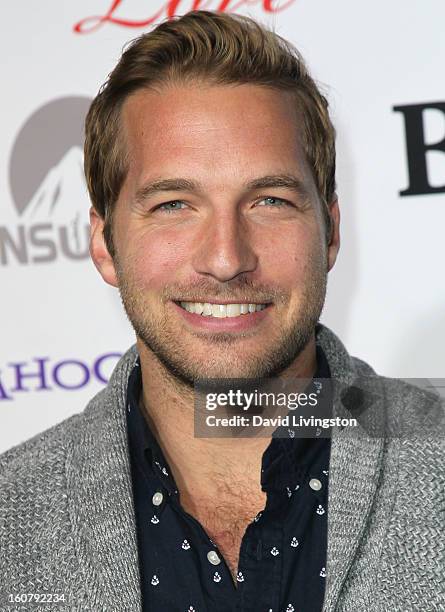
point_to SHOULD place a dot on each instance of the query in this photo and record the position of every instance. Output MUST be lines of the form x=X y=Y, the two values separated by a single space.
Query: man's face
x=219 y=211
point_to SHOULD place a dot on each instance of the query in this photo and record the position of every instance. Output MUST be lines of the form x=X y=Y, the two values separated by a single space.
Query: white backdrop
x=62 y=327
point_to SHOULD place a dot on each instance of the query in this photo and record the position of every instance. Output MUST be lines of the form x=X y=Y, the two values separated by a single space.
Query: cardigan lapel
x=101 y=501
x=355 y=463
x=353 y=479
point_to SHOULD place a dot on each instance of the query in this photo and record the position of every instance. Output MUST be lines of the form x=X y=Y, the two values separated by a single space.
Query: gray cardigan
x=67 y=520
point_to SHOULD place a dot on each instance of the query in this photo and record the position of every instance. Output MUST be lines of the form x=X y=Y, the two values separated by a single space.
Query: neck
x=198 y=464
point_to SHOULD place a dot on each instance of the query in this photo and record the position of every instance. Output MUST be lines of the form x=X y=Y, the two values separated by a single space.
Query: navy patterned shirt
x=282 y=560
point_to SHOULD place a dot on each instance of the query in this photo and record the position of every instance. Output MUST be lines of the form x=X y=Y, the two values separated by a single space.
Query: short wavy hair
x=217 y=48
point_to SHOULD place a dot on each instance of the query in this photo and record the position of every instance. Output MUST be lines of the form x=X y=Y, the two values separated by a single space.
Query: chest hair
x=226 y=517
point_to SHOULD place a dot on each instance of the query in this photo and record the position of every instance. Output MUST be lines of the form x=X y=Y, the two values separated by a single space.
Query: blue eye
x=171 y=206
x=271 y=201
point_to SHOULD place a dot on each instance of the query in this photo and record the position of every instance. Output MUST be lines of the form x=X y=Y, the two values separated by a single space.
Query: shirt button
x=315 y=484
x=157 y=498
x=212 y=556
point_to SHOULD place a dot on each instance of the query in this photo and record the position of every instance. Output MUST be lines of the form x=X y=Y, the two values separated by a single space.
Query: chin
x=223 y=368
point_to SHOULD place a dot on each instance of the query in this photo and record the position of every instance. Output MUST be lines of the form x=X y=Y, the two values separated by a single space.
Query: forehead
x=218 y=129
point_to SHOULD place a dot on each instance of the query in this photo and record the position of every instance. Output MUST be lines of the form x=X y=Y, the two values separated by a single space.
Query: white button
x=157 y=498
x=212 y=556
x=315 y=484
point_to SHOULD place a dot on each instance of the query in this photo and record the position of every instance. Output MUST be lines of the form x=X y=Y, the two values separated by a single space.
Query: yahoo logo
x=40 y=374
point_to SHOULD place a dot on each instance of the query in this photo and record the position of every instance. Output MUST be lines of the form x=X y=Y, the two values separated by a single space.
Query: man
x=210 y=162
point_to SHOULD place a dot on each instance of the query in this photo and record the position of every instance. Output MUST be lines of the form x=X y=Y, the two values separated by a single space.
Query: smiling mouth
x=221 y=311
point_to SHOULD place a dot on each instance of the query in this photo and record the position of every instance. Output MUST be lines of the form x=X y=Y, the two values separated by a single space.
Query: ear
x=98 y=250
x=334 y=242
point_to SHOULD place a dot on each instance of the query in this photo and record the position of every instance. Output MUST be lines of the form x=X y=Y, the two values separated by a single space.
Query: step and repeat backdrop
x=381 y=66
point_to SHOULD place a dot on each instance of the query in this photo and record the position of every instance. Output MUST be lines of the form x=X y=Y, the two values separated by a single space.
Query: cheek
x=288 y=254
x=157 y=260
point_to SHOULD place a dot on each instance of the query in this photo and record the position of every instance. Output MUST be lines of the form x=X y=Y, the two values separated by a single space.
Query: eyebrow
x=177 y=184
x=286 y=181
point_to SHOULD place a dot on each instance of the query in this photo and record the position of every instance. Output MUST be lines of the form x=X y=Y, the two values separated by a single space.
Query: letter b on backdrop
x=417 y=149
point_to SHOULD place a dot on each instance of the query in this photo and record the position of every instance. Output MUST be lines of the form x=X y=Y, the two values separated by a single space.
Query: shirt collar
x=287 y=459
x=143 y=443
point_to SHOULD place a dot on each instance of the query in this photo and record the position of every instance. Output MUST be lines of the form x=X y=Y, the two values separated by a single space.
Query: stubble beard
x=173 y=350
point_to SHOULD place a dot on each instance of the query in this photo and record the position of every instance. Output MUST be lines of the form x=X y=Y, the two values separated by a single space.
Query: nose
x=225 y=247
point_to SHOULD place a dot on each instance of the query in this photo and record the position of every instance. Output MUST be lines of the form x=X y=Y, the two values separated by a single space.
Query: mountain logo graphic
x=48 y=187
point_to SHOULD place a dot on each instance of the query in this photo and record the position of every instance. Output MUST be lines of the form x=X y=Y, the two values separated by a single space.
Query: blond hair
x=220 y=49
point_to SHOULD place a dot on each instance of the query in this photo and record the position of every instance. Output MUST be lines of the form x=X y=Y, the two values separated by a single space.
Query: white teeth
x=221 y=311
x=233 y=310
x=199 y=308
x=207 y=310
